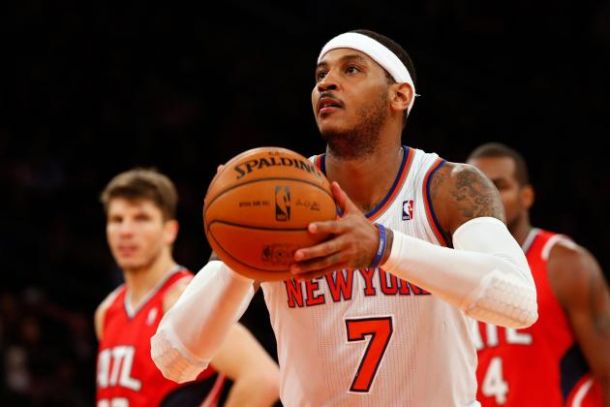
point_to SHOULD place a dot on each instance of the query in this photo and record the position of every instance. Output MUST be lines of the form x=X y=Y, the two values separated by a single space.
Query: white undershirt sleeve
x=486 y=274
x=191 y=332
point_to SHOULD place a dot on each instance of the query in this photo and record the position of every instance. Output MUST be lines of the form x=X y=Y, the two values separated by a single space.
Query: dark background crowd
x=90 y=90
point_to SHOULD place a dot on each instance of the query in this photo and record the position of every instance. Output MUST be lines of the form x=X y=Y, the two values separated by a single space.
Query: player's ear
x=401 y=95
x=528 y=196
x=170 y=230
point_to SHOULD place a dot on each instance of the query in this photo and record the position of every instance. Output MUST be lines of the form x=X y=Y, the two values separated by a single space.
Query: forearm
x=486 y=275
x=254 y=390
x=254 y=373
x=193 y=329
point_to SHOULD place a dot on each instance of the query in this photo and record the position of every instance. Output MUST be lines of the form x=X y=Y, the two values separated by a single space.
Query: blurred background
x=89 y=90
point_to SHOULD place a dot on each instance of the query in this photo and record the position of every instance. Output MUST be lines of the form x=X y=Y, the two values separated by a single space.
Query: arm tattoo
x=436 y=187
x=437 y=180
x=475 y=195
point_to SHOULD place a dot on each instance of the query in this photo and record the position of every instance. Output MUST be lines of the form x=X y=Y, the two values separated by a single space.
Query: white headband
x=377 y=51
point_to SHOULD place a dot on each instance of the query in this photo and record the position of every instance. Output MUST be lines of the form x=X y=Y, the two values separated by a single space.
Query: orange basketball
x=257 y=209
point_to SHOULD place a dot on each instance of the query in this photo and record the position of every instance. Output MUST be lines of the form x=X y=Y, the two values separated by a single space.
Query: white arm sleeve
x=193 y=329
x=486 y=275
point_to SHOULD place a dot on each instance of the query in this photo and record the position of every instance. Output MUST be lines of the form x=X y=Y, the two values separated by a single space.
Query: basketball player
x=563 y=358
x=381 y=313
x=141 y=228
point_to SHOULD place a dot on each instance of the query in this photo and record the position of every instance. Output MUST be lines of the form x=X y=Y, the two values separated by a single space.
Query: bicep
x=583 y=292
x=460 y=192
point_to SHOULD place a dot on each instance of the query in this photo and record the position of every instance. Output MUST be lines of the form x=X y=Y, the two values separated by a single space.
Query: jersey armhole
x=169 y=289
x=440 y=234
x=103 y=310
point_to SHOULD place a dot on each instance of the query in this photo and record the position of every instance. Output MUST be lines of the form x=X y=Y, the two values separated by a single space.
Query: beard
x=512 y=222
x=361 y=140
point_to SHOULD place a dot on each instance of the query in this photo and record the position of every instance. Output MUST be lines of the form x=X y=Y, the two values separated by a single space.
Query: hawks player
x=563 y=359
x=379 y=314
x=141 y=228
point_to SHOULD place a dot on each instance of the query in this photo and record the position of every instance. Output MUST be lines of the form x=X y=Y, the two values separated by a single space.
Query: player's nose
x=328 y=82
x=126 y=227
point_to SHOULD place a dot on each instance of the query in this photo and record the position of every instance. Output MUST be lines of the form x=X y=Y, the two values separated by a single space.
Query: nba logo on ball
x=407 y=210
x=258 y=207
x=282 y=203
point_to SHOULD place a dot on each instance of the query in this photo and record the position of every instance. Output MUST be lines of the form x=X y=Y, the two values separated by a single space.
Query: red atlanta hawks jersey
x=126 y=374
x=541 y=365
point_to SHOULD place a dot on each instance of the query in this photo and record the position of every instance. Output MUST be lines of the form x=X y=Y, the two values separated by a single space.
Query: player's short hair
x=143 y=183
x=498 y=150
x=395 y=47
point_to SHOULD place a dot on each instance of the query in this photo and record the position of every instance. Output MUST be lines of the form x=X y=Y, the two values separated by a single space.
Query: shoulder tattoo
x=437 y=181
x=474 y=194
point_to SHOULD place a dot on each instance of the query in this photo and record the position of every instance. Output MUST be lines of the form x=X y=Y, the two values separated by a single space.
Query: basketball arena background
x=89 y=90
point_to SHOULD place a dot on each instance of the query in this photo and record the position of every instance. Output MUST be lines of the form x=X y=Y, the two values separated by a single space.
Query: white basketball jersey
x=366 y=338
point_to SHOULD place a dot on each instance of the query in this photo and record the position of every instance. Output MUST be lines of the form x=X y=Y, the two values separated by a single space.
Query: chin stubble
x=361 y=140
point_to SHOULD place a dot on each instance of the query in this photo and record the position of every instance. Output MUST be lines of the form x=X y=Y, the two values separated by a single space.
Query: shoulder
x=100 y=312
x=461 y=192
x=566 y=257
x=572 y=271
x=173 y=293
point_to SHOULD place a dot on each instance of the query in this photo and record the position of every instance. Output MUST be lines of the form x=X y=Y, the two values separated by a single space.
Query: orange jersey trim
x=432 y=220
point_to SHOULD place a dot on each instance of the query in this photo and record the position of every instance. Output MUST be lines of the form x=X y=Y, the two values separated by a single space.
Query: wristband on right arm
x=381 y=247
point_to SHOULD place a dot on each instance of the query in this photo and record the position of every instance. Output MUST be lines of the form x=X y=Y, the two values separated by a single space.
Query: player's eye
x=350 y=69
x=320 y=74
x=115 y=219
x=142 y=217
x=500 y=185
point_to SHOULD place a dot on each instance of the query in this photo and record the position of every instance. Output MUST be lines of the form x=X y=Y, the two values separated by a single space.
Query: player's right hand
x=353 y=243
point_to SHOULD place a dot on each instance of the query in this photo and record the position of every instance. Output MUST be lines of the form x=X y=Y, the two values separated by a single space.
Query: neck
x=366 y=180
x=140 y=281
x=520 y=228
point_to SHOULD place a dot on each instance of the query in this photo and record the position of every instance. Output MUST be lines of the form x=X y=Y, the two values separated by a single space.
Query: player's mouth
x=327 y=105
x=127 y=250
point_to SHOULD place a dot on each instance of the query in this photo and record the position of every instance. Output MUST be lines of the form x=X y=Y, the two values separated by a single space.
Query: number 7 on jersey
x=380 y=330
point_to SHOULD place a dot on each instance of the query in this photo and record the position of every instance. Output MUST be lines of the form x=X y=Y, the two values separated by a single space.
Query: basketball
x=257 y=209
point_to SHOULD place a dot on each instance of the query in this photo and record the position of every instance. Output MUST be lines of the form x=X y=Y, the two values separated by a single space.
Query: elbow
x=533 y=315
x=523 y=315
x=506 y=304
x=525 y=309
x=172 y=362
x=176 y=374
x=169 y=374
x=525 y=320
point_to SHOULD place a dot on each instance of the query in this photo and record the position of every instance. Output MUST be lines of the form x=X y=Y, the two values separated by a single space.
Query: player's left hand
x=353 y=243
